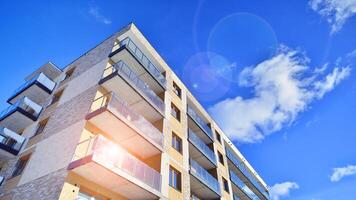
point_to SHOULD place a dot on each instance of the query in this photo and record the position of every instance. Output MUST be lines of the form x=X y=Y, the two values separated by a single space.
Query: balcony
x=107 y=164
x=200 y=152
x=10 y=143
x=150 y=72
x=203 y=184
x=239 y=188
x=199 y=126
x=38 y=88
x=120 y=79
x=20 y=115
x=114 y=116
x=246 y=176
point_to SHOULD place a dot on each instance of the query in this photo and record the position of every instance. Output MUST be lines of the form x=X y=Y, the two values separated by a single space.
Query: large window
x=175 y=112
x=176 y=142
x=175 y=179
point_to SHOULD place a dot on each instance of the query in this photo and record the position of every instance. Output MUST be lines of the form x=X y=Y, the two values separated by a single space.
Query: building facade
x=116 y=123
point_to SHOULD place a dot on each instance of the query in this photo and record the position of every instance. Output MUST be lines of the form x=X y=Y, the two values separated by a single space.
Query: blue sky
x=276 y=75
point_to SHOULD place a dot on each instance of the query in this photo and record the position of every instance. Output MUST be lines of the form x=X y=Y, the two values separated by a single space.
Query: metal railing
x=11 y=139
x=241 y=166
x=120 y=107
x=201 y=123
x=125 y=71
x=193 y=138
x=41 y=78
x=236 y=181
x=26 y=105
x=200 y=173
x=107 y=153
x=143 y=59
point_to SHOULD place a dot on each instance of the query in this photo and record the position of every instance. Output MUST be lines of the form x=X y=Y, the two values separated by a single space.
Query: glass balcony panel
x=41 y=78
x=10 y=139
x=125 y=71
x=107 y=153
x=24 y=104
x=114 y=101
x=236 y=180
x=201 y=123
x=151 y=68
x=204 y=176
x=230 y=155
x=202 y=146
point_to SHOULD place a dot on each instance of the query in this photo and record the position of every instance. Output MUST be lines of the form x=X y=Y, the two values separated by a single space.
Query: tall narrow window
x=41 y=125
x=69 y=73
x=218 y=137
x=226 y=185
x=20 y=165
x=176 y=143
x=177 y=90
x=175 y=112
x=56 y=97
x=175 y=179
x=221 y=158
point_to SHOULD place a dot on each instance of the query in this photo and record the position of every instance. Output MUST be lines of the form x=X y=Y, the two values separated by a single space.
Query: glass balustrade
x=200 y=173
x=201 y=123
x=199 y=144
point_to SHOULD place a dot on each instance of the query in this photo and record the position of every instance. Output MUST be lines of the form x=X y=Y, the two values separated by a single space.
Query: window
x=175 y=112
x=20 y=165
x=176 y=143
x=177 y=90
x=221 y=158
x=226 y=185
x=56 y=97
x=69 y=73
x=218 y=137
x=175 y=178
x=41 y=125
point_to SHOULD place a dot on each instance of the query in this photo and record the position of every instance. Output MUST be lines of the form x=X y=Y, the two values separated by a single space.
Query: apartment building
x=117 y=123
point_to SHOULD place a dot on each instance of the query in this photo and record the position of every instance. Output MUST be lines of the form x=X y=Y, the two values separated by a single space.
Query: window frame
x=176 y=180
x=177 y=143
x=177 y=90
x=177 y=112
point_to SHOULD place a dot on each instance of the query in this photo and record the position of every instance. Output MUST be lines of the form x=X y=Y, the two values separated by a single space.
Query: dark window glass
x=176 y=143
x=177 y=90
x=218 y=136
x=20 y=166
x=221 y=158
x=175 y=178
x=175 y=112
x=226 y=185
x=41 y=126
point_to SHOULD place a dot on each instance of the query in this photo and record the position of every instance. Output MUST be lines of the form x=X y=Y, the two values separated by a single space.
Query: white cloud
x=336 y=12
x=339 y=173
x=282 y=190
x=94 y=11
x=283 y=86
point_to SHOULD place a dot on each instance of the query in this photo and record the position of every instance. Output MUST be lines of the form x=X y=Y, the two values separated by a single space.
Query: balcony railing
x=230 y=155
x=200 y=122
x=236 y=180
x=107 y=153
x=10 y=141
x=24 y=105
x=142 y=58
x=200 y=173
x=46 y=83
x=112 y=101
x=199 y=144
x=125 y=71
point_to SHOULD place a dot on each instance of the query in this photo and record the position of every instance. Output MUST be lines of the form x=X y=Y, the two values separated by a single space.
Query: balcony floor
x=113 y=179
x=116 y=126
x=200 y=190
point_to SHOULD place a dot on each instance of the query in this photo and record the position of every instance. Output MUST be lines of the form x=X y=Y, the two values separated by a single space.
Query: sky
x=277 y=76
